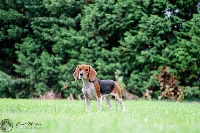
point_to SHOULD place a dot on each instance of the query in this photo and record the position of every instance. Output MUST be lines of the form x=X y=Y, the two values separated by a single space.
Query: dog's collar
x=93 y=80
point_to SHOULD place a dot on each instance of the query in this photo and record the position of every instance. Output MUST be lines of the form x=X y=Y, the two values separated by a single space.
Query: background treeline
x=143 y=44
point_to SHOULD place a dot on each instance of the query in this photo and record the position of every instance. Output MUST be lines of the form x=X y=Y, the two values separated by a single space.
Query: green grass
x=70 y=117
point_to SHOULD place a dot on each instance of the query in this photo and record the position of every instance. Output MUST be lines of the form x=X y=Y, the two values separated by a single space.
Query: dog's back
x=106 y=86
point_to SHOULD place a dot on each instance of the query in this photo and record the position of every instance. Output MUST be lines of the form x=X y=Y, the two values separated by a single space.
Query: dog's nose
x=81 y=74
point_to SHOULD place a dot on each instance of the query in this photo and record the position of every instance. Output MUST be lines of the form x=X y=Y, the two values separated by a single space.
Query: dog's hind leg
x=118 y=95
x=121 y=102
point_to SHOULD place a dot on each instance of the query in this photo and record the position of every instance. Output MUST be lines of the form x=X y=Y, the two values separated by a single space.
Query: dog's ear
x=76 y=73
x=92 y=74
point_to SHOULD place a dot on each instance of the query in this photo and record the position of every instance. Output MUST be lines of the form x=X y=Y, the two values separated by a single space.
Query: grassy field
x=58 y=116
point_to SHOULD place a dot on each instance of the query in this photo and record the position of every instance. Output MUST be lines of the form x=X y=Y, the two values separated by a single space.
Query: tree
x=42 y=42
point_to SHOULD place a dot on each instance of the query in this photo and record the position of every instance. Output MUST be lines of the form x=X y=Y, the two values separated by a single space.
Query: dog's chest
x=89 y=91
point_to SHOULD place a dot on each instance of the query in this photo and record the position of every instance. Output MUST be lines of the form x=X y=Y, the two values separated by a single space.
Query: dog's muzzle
x=81 y=75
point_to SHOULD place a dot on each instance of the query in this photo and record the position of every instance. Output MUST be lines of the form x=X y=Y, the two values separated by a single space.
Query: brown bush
x=169 y=85
x=50 y=95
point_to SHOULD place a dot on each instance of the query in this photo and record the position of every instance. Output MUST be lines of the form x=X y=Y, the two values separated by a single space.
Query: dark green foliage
x=192 y=93
x=10 y=87
x=42 y=42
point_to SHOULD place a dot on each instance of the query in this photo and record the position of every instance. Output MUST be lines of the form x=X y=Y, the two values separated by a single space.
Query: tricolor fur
x=94 y=88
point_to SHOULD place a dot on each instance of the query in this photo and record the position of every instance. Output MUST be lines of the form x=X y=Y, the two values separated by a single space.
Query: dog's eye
x=79 y=69
x=86 y=69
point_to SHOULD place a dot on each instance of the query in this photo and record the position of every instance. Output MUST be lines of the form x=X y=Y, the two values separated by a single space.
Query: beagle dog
x=94 y=88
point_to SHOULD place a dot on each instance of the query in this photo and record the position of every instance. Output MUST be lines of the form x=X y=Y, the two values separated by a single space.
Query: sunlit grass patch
x=71 y=117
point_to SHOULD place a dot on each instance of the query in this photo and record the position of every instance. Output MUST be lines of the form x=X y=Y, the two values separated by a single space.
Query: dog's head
x=85 y=71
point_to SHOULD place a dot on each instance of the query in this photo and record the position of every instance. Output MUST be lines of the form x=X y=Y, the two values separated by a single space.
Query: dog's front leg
x=108 y=98
x=99 y=103
x=87 y=102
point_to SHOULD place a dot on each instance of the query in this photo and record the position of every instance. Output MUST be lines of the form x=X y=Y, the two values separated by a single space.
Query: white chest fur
x=89 y=90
